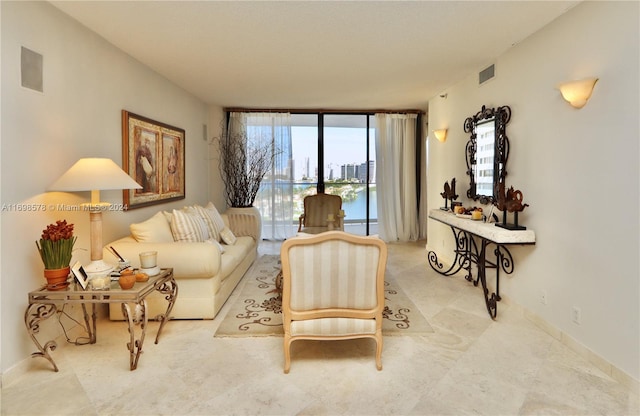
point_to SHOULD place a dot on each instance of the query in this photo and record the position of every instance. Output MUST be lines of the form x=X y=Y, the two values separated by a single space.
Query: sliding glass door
x=335 y=154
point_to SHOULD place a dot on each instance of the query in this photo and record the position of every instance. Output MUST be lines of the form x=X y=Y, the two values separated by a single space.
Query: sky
x=343 y=146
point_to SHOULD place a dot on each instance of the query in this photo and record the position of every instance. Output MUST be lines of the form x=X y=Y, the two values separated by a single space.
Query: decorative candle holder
x=100 y=282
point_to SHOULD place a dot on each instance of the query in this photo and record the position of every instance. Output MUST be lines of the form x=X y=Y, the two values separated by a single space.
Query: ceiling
x=315 y=54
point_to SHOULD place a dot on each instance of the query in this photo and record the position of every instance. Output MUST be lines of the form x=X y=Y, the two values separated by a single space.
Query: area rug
x=257 y=311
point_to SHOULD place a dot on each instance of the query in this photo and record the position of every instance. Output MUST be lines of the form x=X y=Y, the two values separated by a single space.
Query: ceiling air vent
x=486 y=74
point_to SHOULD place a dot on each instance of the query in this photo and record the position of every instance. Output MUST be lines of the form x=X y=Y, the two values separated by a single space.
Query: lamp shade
x=91 y=174
x=95 y=175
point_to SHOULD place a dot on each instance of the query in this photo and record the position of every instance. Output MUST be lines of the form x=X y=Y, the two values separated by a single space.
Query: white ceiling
x=315 y=54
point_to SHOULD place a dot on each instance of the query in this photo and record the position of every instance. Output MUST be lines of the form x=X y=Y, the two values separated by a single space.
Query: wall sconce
x=577 y=93
x=441 y=135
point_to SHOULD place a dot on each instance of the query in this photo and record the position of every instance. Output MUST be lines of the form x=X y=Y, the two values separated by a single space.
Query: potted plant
x=55 y=247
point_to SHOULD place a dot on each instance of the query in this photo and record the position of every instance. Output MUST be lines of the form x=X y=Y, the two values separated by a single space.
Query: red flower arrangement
x=56 y=245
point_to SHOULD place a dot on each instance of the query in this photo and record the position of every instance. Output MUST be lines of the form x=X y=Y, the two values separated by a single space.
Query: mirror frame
x=501 y=116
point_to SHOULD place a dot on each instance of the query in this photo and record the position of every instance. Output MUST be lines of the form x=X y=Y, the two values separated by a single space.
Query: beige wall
x=578 y=169
x=87 y=82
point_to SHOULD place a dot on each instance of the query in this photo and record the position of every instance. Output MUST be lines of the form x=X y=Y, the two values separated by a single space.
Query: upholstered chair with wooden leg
x=333 y=289
x=322 y=212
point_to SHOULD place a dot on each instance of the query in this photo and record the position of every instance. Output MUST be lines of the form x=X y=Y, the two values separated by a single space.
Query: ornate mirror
x=487 y=152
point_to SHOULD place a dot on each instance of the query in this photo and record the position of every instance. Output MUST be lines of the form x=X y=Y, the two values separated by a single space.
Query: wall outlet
x=543 y=297
x=576 y=315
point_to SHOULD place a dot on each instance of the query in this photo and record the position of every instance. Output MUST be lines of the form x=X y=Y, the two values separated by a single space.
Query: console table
x=44 y=303
x=472 y=240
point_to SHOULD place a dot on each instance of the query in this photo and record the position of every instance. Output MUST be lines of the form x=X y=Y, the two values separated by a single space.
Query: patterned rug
x=257 y=310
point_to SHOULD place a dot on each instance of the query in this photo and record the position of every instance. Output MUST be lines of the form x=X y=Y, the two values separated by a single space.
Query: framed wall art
x=153 y=155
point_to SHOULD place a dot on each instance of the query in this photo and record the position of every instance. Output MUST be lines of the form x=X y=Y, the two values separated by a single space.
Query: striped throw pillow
x=187 y=226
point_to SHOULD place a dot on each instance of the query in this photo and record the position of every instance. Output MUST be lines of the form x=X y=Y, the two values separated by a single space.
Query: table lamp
x=95 y=174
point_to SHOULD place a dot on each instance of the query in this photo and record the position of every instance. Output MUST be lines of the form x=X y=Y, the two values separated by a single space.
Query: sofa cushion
x=235 y=254
x=154 y=230
x=187 y=226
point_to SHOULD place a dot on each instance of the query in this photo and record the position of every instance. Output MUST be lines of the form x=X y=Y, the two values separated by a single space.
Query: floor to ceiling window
x=335 y=154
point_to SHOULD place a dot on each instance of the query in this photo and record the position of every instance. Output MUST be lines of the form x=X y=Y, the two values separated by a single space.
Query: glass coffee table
x=44 y=304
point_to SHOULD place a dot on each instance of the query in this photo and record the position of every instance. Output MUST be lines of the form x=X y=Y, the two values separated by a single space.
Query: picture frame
x=80 y=275
x=153 y=155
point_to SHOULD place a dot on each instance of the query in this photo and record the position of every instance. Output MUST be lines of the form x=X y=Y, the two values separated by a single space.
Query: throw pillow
x=188 y=227
x=215 y=216
x=212 y=228
x=154 y=230
x=228 y=237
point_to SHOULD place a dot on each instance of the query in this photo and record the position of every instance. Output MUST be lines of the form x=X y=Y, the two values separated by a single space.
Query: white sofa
x=206 y=272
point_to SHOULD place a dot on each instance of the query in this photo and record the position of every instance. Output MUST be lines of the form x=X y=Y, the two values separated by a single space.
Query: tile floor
x=469 y=365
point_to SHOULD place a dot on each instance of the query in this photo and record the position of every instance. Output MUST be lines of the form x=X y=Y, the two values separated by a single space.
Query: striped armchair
x=317 y=209
x=333 y=288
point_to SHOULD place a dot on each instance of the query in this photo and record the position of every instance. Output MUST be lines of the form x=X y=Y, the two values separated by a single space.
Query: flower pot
x=57 y=278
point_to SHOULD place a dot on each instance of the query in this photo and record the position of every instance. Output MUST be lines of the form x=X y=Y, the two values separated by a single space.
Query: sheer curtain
x=423 y=211
x=396 y=177
x=275 y=197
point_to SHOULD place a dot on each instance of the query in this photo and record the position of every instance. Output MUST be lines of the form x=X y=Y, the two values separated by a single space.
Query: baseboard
x=575 y=346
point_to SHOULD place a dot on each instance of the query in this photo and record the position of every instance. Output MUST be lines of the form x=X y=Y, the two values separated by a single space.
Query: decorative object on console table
x=510 y=201
x=152 y=154
x=55 y=248
x=95 y=174
x=449 y=194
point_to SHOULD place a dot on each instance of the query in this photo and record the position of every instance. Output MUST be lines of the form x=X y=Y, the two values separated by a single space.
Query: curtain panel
x=396 y=177
x=275 y=196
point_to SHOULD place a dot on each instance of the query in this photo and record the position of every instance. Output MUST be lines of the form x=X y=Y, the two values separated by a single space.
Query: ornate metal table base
x=469 y=252
x=44 y=304
x=34 y=314
x=473 y=241
x=170 y=290
x=135 y=345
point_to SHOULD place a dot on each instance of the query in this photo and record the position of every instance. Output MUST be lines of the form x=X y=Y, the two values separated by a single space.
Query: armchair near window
x=322 y=212
x=332 y=289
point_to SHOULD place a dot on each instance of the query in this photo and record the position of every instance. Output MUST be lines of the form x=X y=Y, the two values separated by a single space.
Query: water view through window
x=340 y=159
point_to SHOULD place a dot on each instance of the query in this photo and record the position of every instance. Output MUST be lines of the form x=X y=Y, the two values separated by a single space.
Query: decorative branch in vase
x=244 y=161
